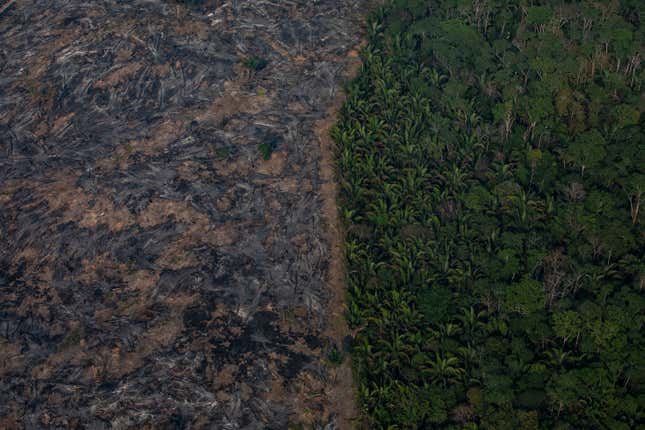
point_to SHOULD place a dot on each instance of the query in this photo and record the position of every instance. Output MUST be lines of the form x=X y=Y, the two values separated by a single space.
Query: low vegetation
x=255 y=63
x=491 y=160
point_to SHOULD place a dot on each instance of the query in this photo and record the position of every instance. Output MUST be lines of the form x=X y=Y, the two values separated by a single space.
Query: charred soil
x=169 y=245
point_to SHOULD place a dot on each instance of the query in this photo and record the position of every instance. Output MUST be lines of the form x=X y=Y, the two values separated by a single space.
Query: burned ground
x=165 y=245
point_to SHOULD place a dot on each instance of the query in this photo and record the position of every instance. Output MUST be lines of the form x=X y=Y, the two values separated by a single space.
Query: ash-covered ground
x=156 y=271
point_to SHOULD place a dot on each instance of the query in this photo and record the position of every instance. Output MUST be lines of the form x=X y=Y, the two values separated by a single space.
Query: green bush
x=255 y=63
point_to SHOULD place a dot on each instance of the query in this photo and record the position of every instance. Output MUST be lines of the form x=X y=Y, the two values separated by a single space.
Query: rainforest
x=490 y=156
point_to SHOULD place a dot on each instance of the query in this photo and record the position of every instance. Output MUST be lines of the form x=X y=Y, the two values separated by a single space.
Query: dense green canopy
x=491 y=160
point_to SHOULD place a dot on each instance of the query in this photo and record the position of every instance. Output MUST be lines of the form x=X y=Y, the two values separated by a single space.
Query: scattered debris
x=6 y=5
x=156 y=269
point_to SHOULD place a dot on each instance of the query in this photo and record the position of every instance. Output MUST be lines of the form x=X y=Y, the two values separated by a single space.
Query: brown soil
x=155 y=270
x=343 y=391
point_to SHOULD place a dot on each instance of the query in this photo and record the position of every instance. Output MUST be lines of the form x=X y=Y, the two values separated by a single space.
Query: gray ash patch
x=163 y=261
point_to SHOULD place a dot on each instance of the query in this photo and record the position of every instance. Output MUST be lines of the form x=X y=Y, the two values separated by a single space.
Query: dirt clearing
x=169 y=250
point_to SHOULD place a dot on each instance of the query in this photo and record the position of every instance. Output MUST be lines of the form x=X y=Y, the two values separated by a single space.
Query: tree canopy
x=491 y=157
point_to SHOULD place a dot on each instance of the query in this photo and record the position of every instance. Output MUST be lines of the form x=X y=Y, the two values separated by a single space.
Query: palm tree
x=557 y=357
x=468 y=354
x=448 y=330
x=471 y=320
x=435 y=78
x=444 y=369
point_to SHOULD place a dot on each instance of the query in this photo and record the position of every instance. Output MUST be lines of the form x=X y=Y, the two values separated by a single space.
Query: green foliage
x=587 y=150
x=524 y=297
x=335 y=357
x=491 y=169
x=255 y=63
x=434 y=303
x=223 y=152
x=265 y=150
x=538 y=15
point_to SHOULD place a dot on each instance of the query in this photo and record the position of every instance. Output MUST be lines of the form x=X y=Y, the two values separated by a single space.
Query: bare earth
x=155 y=271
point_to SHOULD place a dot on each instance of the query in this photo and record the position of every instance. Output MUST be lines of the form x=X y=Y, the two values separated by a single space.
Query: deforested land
x=165 y=249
